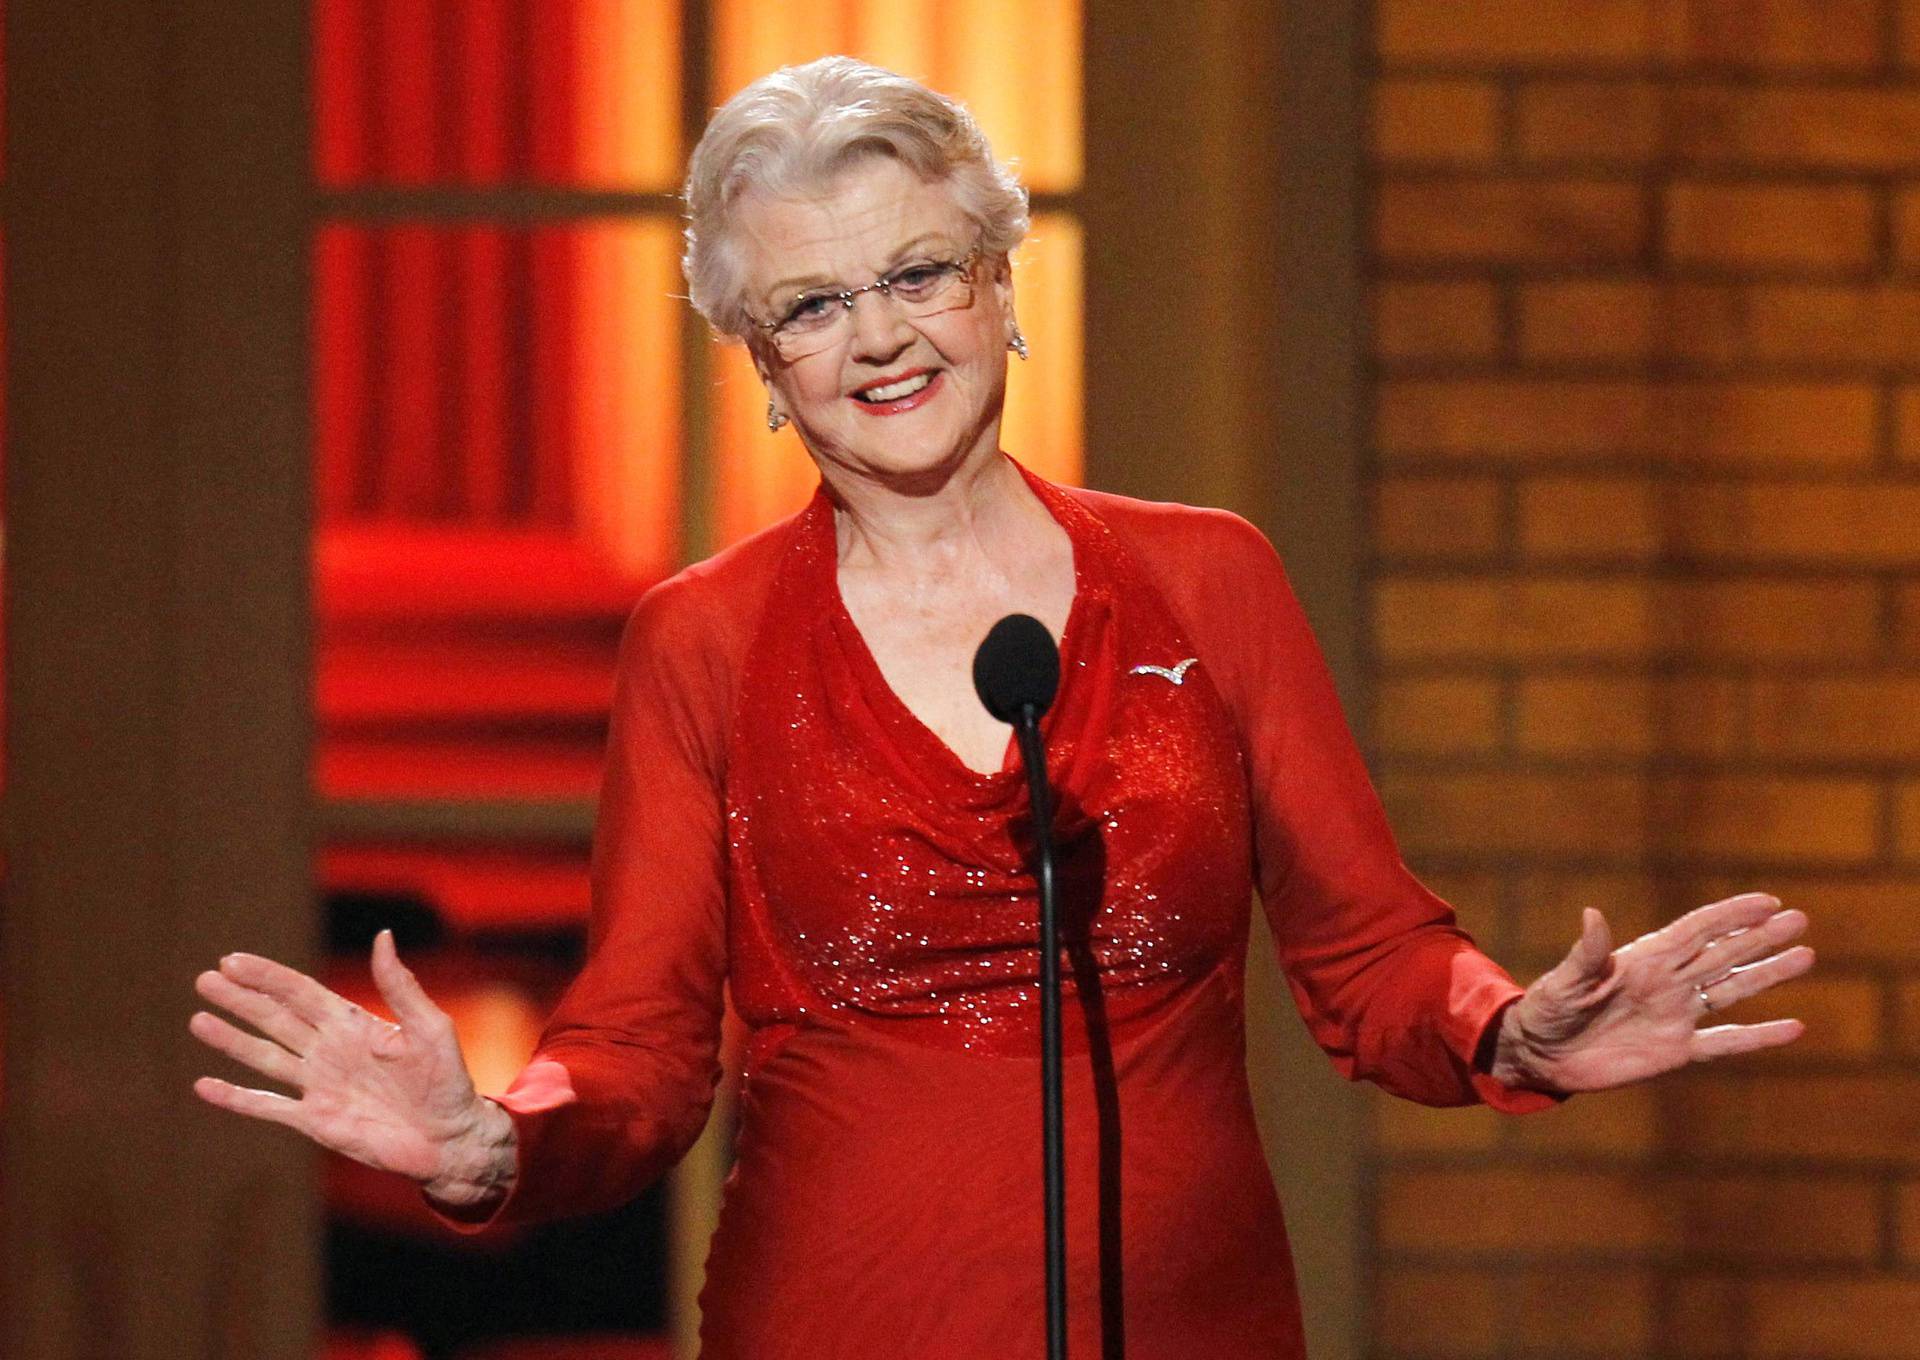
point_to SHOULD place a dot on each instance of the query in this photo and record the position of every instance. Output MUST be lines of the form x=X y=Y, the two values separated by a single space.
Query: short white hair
x=792 y=131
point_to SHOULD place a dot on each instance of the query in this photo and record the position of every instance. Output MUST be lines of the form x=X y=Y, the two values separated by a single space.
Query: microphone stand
x=1033 y=751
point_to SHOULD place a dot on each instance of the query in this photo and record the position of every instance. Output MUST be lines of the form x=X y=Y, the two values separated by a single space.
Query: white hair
x=792 y=131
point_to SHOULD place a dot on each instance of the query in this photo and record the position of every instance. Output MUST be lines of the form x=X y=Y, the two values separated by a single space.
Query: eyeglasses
x=822 y=319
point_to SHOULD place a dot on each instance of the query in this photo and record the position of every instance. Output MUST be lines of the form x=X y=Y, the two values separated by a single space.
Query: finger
x=267 y=1105
x=1688 y=935
x=1721 y=956
x=257 y=1009
x=262 y=1055
x=1754 y=978
x=302 y=995
x=1723 y=1041
x=1591 y=952
x=411 y=1005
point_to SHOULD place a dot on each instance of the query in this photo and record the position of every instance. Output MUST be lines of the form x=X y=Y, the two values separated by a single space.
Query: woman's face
x=875 y=216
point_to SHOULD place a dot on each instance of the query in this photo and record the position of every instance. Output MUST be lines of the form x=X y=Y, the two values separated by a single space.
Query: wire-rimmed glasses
x=821 y=318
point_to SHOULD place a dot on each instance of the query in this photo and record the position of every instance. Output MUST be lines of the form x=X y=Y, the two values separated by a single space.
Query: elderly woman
x=805 y=800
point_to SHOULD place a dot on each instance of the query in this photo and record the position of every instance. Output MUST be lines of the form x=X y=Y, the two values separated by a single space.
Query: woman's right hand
x=396 y=1097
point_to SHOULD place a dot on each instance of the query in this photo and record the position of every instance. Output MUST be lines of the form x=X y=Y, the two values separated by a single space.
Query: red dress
x=777 y=820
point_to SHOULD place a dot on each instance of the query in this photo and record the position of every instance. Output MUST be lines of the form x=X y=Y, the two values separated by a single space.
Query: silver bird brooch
x=1177 y=674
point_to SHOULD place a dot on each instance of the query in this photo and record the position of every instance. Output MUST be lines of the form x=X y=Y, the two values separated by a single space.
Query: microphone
x=1016 y=673
x=1017 y=666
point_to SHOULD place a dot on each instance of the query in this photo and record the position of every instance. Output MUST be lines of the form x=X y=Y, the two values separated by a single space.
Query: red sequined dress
x=775 y=819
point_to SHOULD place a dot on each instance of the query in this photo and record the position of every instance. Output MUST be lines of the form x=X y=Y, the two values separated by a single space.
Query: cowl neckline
x=920 y=753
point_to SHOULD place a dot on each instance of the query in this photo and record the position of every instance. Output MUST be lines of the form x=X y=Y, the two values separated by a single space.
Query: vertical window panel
x=762 y=476
x=626 y=427
x=1014 y=63
x=584 y=93
x=490 y=379
x=628 y=95
x=1043 y=422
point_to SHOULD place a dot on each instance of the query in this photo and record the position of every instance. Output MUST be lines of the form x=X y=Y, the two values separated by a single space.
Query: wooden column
x=1223 y=323
x=156 y=672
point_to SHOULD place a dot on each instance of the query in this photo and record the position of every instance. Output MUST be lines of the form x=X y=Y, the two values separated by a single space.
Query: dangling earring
x=774 y=419
x=1018 y=344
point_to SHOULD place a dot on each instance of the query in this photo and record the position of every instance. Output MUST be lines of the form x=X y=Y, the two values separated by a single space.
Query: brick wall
x=1645 y=630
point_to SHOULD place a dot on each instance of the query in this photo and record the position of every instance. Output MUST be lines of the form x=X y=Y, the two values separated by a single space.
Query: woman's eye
x=808 y=309
x=919 y=277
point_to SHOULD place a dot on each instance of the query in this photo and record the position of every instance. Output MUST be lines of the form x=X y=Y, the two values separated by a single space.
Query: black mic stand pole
x=1033 y=750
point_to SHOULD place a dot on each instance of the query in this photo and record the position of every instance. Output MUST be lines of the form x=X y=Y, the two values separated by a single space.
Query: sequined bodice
x=876 y=878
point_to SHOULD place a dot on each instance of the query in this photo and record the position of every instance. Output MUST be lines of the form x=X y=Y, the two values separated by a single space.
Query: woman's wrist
x=479 y=1165
x=1516 y=1060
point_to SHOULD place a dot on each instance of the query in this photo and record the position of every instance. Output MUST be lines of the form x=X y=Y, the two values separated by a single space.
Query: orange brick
x=1401 y=1126
x=1846 y=718
x=1716 y=423
x=1503 y=221
x=1778 y=34
x=1474 y=895
x=1876 y=326
x=1446 y=1314
x=1451 y=320
x=1504 y=1210
x=1743 y=620
x=1706 y=1320
x=1436 y=121
x=1907 y=1033
x=1508 y=618
x=1548 y=903
x=1598 y=518
x=1572 y=1310
x=1503 y=32
x=1909 y=24
x=1592 y=122
x=1587 y=319
x=1437 y=516
x=1605 y=715
x=1868 y=524
x=1855 y=920
x=1906 y=619
x=1722 y=324
x=1586 y=715
x=1907 y=820
x=1907 y=423
x=1842 y=1015
x=1622 y=1123
x=1438 y=715
x=1503 y=618
x=1906 y=229
x=1859 y=1119
x=1828 y=35
x=1769 y=225
x=1779 y=818
x=1709 y=126
x=1494 y=813
x=1909 y=1223
x=1837 y=1319
x=1780 y=1218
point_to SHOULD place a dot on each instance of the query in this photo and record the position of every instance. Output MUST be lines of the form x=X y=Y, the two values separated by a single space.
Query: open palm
x=1605 y=1017
x=394 y=1096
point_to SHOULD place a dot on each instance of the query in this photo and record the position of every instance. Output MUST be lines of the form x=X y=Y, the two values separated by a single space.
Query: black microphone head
x=1017 y=665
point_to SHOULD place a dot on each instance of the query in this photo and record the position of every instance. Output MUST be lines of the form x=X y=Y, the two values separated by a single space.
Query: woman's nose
x=880 y=327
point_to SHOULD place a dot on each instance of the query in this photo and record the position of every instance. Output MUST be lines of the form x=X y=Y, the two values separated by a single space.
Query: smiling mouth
x=895 y=391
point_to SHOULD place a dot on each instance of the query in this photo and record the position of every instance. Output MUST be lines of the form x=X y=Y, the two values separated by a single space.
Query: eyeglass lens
x=951 y=291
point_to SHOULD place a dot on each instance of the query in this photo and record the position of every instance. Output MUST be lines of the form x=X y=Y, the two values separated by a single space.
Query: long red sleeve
x=622 y=1078
x=1388 y=984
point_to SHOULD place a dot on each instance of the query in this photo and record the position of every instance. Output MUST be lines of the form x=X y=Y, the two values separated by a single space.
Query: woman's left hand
x=1604 y=1017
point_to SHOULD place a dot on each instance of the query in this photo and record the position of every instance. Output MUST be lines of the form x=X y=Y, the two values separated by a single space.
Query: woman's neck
x=983 y=504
